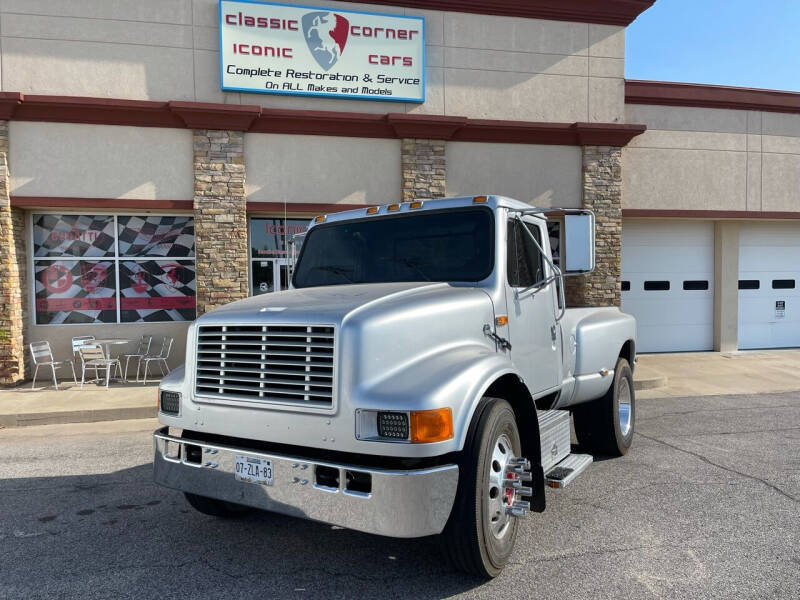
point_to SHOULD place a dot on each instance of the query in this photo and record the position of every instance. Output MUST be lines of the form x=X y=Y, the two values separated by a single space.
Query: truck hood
x=328 y=304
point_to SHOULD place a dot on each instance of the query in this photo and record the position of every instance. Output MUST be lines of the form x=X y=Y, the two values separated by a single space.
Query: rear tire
x=479 y=536
x=216 y=508
x=605 y=426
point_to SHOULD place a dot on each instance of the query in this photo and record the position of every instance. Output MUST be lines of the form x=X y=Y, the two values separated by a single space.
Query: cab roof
x=493 y=202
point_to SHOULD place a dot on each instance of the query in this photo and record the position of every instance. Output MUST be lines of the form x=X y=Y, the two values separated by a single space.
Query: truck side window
x=525 y=262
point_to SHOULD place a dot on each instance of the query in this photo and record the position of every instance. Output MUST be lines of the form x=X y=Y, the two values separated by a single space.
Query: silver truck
x=418 y=379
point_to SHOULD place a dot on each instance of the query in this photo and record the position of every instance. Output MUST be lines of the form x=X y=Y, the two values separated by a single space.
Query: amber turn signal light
x=501 y=321
x=429 y=426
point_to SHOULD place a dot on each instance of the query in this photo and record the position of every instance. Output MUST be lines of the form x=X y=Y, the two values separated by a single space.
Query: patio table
x=108 y=342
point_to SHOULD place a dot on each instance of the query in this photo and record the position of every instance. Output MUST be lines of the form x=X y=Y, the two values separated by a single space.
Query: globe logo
x=326 y=35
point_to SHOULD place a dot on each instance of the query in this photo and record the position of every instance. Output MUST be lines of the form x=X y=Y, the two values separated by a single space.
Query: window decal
x=75 y=291
x=157 y=290
x=156 y=236
x=78 y=236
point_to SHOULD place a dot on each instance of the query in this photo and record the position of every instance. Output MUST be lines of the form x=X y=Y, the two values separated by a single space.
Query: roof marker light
x=416 y=204
x=480 y=200
x=394 y=207
x=320 y=219
x=373 y=210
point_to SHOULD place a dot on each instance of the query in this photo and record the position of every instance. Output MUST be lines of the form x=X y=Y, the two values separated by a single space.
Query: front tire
x=605 y=426
x=479 y=536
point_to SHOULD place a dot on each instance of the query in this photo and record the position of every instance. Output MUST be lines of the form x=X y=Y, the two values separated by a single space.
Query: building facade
x=136 y=193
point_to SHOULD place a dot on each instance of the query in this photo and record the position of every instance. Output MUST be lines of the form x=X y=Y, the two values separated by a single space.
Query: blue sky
x=749 y=43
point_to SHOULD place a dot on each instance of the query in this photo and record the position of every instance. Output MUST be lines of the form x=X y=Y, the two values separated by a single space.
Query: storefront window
x=139 y=279
x=270 y=252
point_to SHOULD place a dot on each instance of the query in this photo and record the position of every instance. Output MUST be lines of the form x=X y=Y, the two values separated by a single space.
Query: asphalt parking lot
x=704 y=506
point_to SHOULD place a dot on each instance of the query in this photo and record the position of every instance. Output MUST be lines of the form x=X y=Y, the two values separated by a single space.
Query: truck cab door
x=532 y=308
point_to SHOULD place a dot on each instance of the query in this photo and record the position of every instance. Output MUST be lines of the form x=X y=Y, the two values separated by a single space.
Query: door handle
x=553 y=332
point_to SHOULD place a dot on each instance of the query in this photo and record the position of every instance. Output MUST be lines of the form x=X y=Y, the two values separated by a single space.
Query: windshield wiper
x=412 y=264
x=340 y=271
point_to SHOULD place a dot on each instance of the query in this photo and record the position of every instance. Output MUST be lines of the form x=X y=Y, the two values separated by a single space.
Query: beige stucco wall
x=98 y=161
x=320 y=169
x=542 y=175
x=477 y=66
x=712 y=159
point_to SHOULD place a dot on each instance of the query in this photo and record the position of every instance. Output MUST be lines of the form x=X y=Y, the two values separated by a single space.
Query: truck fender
x=505 y=383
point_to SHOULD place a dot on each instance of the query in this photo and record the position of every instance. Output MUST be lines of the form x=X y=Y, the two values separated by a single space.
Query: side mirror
x=579 y=238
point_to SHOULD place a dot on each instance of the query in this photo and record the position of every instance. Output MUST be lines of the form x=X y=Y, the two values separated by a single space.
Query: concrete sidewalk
x=657 y=375
x=690 y=374
x=21 y=406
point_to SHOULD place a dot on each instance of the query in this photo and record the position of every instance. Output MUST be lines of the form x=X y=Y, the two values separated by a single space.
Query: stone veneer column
x=424 y=167
x=602 y=193
x=220 y=218
x=13 y=277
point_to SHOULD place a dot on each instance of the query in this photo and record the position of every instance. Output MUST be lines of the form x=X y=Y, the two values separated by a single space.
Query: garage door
x=769 y=280
x=668 y=283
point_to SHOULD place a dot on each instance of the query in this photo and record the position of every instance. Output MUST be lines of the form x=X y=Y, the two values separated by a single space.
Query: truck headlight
x=170 y=402
x=415 y=427
x=393 y=425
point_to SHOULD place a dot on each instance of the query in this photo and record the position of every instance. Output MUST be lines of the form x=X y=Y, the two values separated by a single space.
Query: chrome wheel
x=507 y=472
x=624 y=407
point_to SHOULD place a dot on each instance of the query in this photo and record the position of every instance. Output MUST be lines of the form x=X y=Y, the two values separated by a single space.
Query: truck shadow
x=137 y=533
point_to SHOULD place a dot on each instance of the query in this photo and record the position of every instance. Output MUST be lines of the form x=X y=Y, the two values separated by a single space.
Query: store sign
x=286 y=49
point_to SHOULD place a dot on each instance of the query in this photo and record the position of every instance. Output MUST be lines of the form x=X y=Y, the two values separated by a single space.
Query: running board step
x=567 y=470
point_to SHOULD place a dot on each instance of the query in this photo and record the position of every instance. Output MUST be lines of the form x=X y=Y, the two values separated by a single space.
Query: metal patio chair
x=160 y=358
x=142 y=351
x=79 y=341
x=92 y=355
x=43 y=357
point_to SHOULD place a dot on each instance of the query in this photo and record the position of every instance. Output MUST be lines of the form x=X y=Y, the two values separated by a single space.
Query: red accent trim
x=710 y=96
x=99 y=203
x=646 y=213
x=9 y=101
x=425 y=126
x=98 y=111
x=126 y=204
x=203 y=115
x=609 y=12
x=301 y=207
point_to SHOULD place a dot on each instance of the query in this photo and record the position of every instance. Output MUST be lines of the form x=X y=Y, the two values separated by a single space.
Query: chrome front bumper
x=403 y=504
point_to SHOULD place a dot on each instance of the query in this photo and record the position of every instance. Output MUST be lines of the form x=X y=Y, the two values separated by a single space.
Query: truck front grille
x=290 y=364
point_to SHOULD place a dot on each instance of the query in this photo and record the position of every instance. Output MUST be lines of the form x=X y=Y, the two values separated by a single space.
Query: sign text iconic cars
x=288 y=49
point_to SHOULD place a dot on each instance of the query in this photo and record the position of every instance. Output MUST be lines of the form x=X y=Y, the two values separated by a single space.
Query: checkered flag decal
x=157 y=290
x=73 y=235
x=156 y=236
x=75 y=291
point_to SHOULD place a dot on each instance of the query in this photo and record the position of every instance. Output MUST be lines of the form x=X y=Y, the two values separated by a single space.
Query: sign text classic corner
x=275 y=48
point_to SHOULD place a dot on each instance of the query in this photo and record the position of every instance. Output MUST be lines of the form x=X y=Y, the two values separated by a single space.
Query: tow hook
x=501 y=341
x=517 y=473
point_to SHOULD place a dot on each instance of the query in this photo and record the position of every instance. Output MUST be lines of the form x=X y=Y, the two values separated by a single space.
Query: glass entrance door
x=270 y=275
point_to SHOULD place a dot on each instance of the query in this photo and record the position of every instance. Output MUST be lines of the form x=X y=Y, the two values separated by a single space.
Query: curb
x=78 y=416
x=649 y=383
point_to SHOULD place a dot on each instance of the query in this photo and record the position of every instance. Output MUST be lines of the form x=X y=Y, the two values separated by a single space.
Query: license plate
x=253 y=470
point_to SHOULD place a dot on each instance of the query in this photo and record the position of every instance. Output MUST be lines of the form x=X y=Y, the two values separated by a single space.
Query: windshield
x=444 y=246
